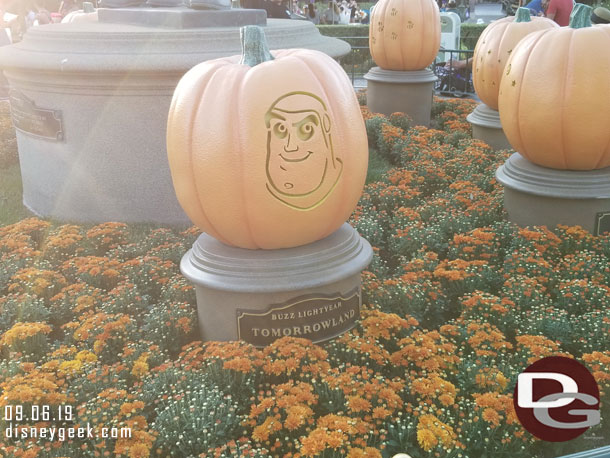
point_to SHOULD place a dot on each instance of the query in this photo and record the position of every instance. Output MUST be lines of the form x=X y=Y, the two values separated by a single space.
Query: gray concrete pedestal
x=540 y=196
x=391 y=91
x=90 y=103
x=486 y=126
x=311 y=291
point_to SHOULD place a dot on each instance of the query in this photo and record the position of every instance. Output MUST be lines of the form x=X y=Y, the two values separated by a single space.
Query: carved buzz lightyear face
x=302 y=169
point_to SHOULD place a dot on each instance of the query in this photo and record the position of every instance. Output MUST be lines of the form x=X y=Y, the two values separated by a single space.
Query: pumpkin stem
x=581 y=16
x=88 y=7
x=523 y=15
x=254 y=49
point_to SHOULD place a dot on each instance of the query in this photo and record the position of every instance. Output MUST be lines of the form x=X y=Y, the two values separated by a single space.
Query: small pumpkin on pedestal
x=491 y=53
x=404 y=39
x=268 y=155
x=554 y=96
x=405 y=35
x=554 y=105
x=267 y=150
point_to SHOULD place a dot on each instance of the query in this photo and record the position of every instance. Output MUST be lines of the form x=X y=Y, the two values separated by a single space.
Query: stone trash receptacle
x=90 y=102
x=311 y=291
x=486 y=126
x=536 y=196
x=409 y=92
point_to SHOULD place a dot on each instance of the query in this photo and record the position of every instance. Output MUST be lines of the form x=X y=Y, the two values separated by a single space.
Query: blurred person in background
x=537 y=7
x=311 y=13
x=344 y=13
x=353 y=7
x=559 y=11
x=332 y=15
x=274 y=9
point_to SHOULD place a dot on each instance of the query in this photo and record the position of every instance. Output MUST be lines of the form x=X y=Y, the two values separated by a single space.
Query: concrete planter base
x=486 y=126
x=104 y=90
x=391 y=91
x=539 y=196
x=311 y=291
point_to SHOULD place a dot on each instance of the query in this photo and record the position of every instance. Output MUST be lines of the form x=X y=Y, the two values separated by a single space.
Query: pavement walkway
x=486 y=12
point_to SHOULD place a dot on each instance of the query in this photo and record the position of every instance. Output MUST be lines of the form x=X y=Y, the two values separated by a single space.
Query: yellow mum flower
x=426 y=439
x=86 y=356
x=71 y=367
x=140 y=368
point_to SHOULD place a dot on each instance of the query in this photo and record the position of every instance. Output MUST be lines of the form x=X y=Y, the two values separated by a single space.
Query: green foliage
x=456 y=302
x=8 y=142
x=11 y=208
x=24 y=307
x=171 y=325
x=199 y=419
x=470 y=33
x=360 y=31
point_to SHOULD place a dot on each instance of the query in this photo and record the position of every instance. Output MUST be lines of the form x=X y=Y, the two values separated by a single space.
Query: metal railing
x=452 y=81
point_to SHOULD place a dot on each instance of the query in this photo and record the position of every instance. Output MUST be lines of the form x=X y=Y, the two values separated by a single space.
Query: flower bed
x=8 y=142
x=457 y=302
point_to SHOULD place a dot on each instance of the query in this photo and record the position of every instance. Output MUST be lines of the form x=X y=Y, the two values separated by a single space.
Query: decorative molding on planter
x=183 y=18
x=394 y=76
x=486 y=126
x=539 y=196
x=311 y=291
x=119 y=3
x=169 y=3
x=485 y=117
x=520 y=174
x=215 y=265
x=391 y=91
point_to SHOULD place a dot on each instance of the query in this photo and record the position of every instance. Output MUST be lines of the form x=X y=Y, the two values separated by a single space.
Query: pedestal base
x=486 y=126
x=311 y=291
x=539 y=196
x=391 y=91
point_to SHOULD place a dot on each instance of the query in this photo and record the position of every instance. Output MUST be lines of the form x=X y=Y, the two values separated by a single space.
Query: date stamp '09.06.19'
x=52 y=423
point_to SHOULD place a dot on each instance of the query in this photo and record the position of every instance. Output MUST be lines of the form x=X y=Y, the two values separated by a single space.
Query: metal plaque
x=32 y=120
x=602 y=223
x=314 y=317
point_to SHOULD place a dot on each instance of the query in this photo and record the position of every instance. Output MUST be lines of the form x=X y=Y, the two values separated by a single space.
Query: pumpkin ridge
x=385 y=5
x=215 y=74
x=190 y=120
x=564 y=85
x=605 y=156
x=420 y=20
x=341 y=187
x=436 y=43
x=487 y=71
x=498 y=68
x=518 y=107
x=402 y=49
x=324 y=96
x=238 y=145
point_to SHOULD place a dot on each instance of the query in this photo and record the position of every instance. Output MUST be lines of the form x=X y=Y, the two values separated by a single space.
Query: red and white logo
x=557 y=399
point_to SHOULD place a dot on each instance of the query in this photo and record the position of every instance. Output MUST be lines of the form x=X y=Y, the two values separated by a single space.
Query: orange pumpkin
x=270 y=151
x=405 y=34
x=554 y=97
x=495 y=46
